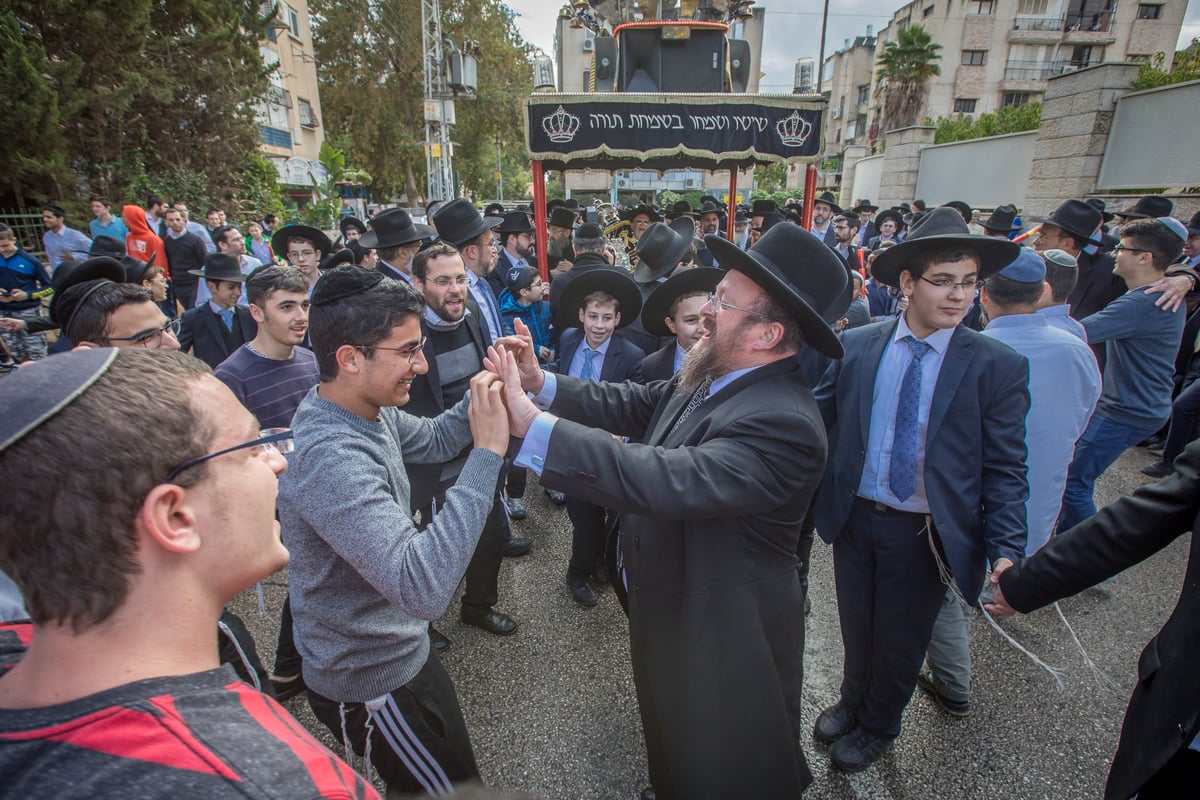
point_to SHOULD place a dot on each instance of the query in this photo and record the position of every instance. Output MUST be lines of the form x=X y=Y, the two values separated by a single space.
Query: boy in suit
x=213 y=331
x=591 y=353
x=674 y=309
x=926 y=475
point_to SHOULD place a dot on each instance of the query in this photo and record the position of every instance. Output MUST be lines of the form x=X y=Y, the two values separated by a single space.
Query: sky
x=793 y=30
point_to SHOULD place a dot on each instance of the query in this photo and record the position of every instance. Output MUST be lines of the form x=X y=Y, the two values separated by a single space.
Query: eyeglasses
x=273 y=440
x=410 y=353
x=946 y=283
x=716 y=303
x=301 y=253
x=1120 y=248
x=151 y=339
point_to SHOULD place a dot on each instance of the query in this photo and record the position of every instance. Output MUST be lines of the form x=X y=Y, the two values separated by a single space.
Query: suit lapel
x=954 y=366
x=431 y=374
x=567 y=345
x=613 y=360
x=214 y=324
x=869 y=369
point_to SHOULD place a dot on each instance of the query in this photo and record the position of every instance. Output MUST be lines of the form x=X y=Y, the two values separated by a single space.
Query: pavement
x=552 y=710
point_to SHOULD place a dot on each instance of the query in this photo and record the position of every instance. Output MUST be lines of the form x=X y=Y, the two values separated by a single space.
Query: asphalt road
x=552 y=710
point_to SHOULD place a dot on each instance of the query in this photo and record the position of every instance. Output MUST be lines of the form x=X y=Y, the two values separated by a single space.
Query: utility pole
x=439 y=106
x=499 y=170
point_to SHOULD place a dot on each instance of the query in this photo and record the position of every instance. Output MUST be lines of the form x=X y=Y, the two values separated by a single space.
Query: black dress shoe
x=439 y=642
x=600 y=573
x=583 y=594
x=1159 y=469
x=833 y=723
x=858 y=750
x=490 y=620
x=517 y=547
x=558 y=498
x=955 y=708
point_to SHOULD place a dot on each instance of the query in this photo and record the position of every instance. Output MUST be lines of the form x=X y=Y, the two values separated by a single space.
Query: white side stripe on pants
x=408 y=747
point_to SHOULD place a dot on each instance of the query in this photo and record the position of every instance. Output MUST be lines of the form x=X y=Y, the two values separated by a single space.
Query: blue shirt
x=487 y=304
x=680 y=355
x=68 y=240
x=576 y=367
x=1142 y=342
x=395 y=274
x=884 y=403
x=203 y=233
x=115 y=229
x=1064 y=385
x=247 y=264
x=22 y=271
x=1060 y=317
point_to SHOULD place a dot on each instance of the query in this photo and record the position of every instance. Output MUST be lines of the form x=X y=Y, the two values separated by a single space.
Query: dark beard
x=700 y=363
x=560 y=248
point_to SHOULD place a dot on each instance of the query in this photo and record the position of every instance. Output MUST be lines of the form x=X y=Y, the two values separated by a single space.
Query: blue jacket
x=536 y=317
x=24 y=271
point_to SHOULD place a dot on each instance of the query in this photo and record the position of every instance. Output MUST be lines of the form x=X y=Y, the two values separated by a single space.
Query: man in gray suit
x=713 y=486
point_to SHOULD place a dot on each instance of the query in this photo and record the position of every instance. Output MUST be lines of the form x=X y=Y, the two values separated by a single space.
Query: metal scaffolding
x=439 y=107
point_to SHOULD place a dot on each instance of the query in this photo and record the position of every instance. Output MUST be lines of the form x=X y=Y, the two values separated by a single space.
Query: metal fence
x=29 y=230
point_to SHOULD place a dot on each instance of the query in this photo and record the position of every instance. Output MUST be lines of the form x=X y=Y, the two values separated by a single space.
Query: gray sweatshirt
x=364 y=581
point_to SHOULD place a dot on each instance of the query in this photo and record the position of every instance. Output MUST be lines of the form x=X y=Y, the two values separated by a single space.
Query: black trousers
x=587 y=537
x=236 y=647
x=517 y=478
x=889 y=594
x=483 y=572
x=1171 y=781
x=287 y=658
x=418 y=738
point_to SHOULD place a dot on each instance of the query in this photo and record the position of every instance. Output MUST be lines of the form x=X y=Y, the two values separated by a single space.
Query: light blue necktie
x=227 y=318
x=586 y=374
x=902 y=476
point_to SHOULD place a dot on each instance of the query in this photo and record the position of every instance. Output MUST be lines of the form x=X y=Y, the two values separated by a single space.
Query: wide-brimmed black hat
x=964 y=210
x=642 y=209
x=562 y=217
x=864 y=205
x=1150 y=206
x=610 y=281
x=458 y=222
x=106 y=246
x=1002 y=219
x=220 y=267
x=73 y=273
x=760 y=207
x=1099 y=205
x=709 y=207
x=685 y=281
x=347 y=223
x=572 y=204
x=395 y=227
x=799 y=272
x=1074 y=216
x=512 y=222
x=135 y=268
x=1193 y=224
x=940 y=228
x=660 y=250
x=828 y=199
x=892 y=214
x=770 y=220
x=494 y=210
x=279 y=239
x=681 y=208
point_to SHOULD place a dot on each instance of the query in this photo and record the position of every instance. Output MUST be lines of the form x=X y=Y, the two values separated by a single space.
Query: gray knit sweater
x=364 y=581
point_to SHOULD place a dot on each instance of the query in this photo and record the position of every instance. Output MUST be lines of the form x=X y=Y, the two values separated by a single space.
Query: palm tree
x=905 y=67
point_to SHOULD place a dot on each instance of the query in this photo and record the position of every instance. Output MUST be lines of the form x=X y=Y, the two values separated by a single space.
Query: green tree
x=1186 y=68
x=1011 y=119
x=902 y=81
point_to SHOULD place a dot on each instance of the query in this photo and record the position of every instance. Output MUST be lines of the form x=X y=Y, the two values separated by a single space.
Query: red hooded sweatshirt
x=140 y=242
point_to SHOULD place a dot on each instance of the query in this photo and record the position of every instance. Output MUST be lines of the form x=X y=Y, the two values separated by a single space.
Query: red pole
x=539 y=218
x=729 y=219
x=810 y=194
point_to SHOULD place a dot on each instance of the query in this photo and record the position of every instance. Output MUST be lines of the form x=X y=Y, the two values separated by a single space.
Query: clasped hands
x=499 y=406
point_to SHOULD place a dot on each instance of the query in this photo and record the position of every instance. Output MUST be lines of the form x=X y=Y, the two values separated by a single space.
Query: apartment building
x=289 y=115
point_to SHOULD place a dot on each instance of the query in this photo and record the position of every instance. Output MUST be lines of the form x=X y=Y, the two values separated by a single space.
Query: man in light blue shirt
x=62 y=243
x=1062 y=273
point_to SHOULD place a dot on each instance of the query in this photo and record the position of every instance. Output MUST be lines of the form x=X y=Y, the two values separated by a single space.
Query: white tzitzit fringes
x=367 y=767
x=1055 y=672
x=1103 y=681
x=345 y=735
x=262 y=601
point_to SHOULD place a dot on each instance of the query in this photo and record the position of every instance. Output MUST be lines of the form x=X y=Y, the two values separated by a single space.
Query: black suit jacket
x=200 y=332
x=1164 y=712
x=660 y=365
x=975 y=475
x=711 y=518
x=622 y=362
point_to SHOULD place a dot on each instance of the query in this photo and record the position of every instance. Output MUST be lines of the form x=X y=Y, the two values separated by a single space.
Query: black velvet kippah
x=33 y=394
x=342 y=282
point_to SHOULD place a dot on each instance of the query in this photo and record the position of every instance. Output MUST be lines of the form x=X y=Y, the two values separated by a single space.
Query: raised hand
x=521 y=410
x=486 y=412
x=521 y=345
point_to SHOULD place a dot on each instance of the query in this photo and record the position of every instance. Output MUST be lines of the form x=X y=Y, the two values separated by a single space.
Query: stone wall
x=902 y=162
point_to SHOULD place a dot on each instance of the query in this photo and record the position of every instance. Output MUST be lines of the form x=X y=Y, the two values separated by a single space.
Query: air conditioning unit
x=835 y=113
x=622 y=183
x=692 y=183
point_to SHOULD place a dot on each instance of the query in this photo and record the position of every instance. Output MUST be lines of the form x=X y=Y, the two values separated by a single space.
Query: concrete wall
x=902 y=163
x=867 y=172
x=1152 y=142
x=983 y=173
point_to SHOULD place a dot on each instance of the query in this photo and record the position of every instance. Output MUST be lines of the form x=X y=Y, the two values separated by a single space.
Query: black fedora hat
x=760 y=207
x=660 y=250
x=828 y=199
x=610 y=281
x=943 y=227
x=458 y=222
x=220 y=267
x=135 y=268
x=1074 y=216
x=512 y=222
x=562 y=217
x=642 y=209
x=1002 y=219
x=1150 y=206
x=346 y=223
x=800 y=273
x=709 y=207
x=681 y=208
x=685 y=281
x=73 y=273
x=393 y=228
x=279 y=239
x=1099 y=205
x=964 y=210
x=1193 y=224
x=864 y=205
x=892 y=214
x=770 y=220
x=494 y=210
x=572 y=204
x=107 y=246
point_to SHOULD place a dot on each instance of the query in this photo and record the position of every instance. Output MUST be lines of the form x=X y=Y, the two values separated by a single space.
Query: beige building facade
x=289 y=115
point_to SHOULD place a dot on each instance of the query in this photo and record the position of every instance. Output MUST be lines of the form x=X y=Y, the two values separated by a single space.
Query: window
x=1146 y=11
x=974 y=58
x=1032 y=8
x=292 y=17
x=964 y=106
x=929 y=11
x=307 y=118
x=1013 y=99
x=864 y=94
x=980 y=6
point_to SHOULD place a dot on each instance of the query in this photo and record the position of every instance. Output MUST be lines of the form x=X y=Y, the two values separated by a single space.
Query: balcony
x=275 y=137
x=1017 y=74
x=1074 y=28
x=1039 y=23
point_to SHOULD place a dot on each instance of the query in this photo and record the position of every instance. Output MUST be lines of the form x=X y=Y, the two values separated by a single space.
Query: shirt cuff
x=532 y=454
x=545 y=398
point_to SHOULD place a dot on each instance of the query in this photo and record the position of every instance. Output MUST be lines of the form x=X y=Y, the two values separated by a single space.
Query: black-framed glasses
x=151 y=339
x=277 y=440
x=410 y=352
x=1120 y=248
x=946 y=283
x=716 y=302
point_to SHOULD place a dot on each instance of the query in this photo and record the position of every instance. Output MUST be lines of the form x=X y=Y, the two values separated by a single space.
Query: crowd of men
x=932 y=394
